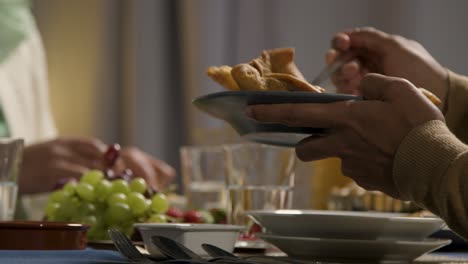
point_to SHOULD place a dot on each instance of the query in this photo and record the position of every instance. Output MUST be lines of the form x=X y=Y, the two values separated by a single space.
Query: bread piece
x=295 y=84
x=222 y=75
x=263 y=66
x=282 y=61
x=248 y=78
x=274 y=70
x=277 y=61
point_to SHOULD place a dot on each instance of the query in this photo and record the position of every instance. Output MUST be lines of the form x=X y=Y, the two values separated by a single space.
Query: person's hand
x=157 y=173
x=364 y=134
x=46 y=163
x=391 y=55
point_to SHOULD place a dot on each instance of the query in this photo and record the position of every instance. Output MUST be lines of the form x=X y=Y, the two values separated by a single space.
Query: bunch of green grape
x=104 y=204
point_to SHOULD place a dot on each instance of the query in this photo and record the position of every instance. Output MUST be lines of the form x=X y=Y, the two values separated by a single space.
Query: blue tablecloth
x=92 y=256
x=87 y=256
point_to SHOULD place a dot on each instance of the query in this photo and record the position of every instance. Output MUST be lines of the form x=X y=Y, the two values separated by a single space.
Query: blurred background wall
x=112 y=70
x=126 y=70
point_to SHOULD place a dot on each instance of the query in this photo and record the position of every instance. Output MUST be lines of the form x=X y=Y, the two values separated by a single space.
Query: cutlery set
x=176 y=253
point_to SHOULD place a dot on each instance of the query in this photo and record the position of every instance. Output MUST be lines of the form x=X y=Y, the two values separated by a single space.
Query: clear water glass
x=204 y=174
x=11 y=151
x=259 y=177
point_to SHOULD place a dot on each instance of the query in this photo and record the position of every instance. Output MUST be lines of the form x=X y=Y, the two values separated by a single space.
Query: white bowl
x=346 y=224
x=190 y=235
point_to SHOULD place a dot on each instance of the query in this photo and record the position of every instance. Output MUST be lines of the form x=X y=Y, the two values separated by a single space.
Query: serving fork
x=125 y=246
x=176 y=250
x=329 y=70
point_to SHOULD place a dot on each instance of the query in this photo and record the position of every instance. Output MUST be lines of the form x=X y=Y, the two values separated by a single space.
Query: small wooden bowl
x=37 y=235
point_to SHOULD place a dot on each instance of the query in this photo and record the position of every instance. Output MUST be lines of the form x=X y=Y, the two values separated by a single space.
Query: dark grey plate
x=230 y=106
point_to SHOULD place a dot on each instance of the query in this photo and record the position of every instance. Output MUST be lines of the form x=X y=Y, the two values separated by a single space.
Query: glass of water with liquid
x=258 y=177
x=203 y=173
x=11 y=151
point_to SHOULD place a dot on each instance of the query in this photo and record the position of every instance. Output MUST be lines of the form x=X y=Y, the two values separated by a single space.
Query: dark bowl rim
x=43 y=225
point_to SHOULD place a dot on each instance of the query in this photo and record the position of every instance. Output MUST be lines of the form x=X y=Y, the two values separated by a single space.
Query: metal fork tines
x=125 y=246
x=329 y=70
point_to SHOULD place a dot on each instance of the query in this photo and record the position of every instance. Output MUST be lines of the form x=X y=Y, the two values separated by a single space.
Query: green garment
x=16 y=22
x=4 y=131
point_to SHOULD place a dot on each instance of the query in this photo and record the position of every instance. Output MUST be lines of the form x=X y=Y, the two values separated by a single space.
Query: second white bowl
x=190 y=235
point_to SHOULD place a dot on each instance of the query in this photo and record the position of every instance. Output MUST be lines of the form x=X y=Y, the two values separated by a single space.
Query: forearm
x=456 y=106
x=431 y=169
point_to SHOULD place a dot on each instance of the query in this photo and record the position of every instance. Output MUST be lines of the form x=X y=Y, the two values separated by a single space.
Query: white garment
x=24 y=95
x=24 y=98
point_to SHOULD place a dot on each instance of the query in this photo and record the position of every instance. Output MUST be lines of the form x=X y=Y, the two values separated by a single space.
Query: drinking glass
x=10 y=159
x=203 y=173
x=259 y=177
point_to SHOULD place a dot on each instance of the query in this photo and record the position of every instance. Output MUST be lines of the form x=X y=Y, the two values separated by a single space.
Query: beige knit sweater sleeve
x=431 y=164
x=456 y=114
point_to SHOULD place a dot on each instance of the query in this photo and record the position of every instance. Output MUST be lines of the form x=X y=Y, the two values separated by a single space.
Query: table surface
x=93 y=256
x=86 y=256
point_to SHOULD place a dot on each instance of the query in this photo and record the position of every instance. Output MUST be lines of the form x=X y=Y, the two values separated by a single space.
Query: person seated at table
x=25 y=113
x=395 y=140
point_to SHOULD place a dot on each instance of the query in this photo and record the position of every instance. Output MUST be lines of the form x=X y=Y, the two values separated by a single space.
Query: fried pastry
x=294 y=83
x=277 y=61
x=248 y=78
x=274 y=70
x=222 y=75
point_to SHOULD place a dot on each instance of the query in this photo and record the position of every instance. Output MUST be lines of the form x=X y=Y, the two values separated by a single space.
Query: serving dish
x=230 y=107
x=38 y=235
x=350 y=250
x=190 y=235
x=346 y=224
